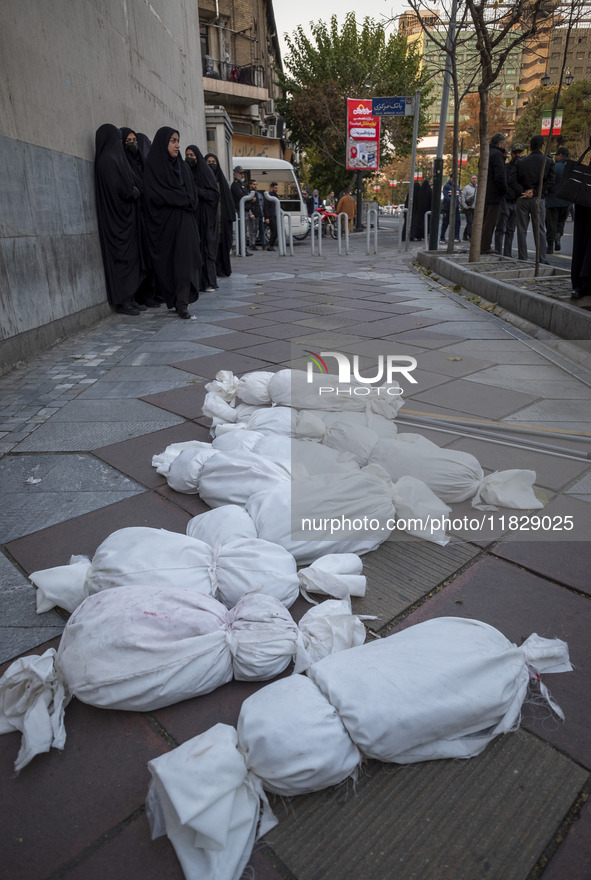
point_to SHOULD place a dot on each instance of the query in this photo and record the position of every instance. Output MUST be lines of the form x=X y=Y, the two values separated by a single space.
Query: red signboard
x=363 y=136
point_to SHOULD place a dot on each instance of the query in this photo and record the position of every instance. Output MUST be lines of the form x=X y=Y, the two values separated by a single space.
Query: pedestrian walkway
x=79 y=425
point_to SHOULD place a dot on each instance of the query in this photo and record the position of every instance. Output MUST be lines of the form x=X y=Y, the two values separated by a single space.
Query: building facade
x=67 y=68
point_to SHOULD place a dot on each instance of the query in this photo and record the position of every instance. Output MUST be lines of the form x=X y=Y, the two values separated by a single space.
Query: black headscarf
x=207 y=216
x=170 y=201
x=227 y=216
x=118 y=215
x=135 y=159
x=144 y=143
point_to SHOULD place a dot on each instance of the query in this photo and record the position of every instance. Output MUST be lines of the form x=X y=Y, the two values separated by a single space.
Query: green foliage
x=576 y=121
x=336 y=63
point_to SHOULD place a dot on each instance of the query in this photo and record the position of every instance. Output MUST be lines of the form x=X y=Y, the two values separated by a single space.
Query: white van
x=265 y=171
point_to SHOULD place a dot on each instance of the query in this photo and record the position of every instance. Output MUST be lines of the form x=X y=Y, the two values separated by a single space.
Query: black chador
x=207 y=216
x=170 y=202
x=227 y=215
x=119 y=219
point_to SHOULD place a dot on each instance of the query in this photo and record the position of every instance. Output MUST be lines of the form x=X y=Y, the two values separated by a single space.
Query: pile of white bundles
x=220 y=556
x=281 y=491
x=440 y=689
x=143 y=647
x=371 y=437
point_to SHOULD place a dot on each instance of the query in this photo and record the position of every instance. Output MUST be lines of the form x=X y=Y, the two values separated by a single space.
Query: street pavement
x=79 y=425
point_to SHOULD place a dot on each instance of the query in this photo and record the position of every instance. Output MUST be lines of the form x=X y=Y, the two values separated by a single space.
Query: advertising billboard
x=363 y=136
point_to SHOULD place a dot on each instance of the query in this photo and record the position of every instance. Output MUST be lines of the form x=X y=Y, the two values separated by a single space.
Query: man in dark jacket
x=556 y=209
x=238 y=190
x=271 y=217
x=506 y=223
x=496 y=187
x=529 y=172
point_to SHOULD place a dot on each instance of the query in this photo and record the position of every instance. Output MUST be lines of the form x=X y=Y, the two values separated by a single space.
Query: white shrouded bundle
x=440 y=689
x=142 y=647
x=268 y=419
x=304 y=390
x=211 y=560
x=453 y=475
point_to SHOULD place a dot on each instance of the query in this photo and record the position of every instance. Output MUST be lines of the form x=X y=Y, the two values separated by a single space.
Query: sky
x=291 y=13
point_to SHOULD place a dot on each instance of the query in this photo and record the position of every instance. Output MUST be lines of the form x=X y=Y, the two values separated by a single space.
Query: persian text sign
x=392 y=106
x=363 y=136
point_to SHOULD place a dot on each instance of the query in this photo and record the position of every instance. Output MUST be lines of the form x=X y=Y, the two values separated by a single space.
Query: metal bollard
x=369 y=215
x=278 y=220
x=241 y=238
x=427 y=219
x=340 y=225
x=316 y=230
x=401 y=215
x=284 y=215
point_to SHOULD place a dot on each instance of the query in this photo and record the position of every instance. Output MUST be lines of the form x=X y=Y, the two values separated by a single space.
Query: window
x=204 y=36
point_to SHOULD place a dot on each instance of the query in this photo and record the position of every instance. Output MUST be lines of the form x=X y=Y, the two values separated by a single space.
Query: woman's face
x=189 y=154
x=174 y=145
x=212 y=163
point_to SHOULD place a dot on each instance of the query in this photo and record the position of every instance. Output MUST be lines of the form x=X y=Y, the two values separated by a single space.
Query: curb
x=560 y=318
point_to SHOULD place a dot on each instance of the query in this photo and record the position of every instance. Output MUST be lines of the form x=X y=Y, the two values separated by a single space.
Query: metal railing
x=241 y=239
x=343 y=224
x=251 y=75
x=372 y=211
x=279 y=222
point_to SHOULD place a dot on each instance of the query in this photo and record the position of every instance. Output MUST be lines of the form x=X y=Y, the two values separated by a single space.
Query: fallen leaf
x=255 y=307
x=454 y=358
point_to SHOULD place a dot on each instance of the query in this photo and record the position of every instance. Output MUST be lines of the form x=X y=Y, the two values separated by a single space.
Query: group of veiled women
x=165 y=223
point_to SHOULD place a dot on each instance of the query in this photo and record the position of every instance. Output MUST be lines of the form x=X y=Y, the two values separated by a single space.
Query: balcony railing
x=251 y=75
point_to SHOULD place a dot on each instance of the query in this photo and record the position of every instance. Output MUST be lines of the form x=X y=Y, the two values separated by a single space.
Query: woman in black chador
x=119 y=220
x=207 y=214
x=226 y=217
x=170 y=202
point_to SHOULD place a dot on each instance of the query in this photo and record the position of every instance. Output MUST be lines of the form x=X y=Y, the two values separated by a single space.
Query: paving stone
x=497 y=350
x=83 y=534
x=134 y=457
x=236 y=362
x=445 y=820
x=428 y=339
x=231 y=341
x=567 y=562
x=402 y=571
x=573 y=858
x=21 y=628
x=518 y=604
x=191 y=503
x=478 y=400
x=83 y=785
x=277 y=352
x=69 y=485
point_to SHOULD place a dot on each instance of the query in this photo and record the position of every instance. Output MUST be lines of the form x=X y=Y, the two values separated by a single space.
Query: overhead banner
x=363 y=136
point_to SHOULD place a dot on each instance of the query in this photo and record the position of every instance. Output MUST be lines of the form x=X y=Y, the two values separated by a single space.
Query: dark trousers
x=505 y=229
x=469 y=212
x=273 y=228
x=445 y=223
x=491 y=214
x=555 y=220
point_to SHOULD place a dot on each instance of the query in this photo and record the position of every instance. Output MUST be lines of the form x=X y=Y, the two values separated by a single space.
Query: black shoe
x=152 y=304
x=544 y=263
x=182 y=312
x=549 y=250
x=253 y=247
x=557 y=245
x=141 y=307
x=270 y=248
x=248 y=254
x=125 y=309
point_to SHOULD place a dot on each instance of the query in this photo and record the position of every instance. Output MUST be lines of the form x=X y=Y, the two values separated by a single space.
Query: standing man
x=506 y=223
x=270 y=216
x=529 y=172
x=238 y=190
x=556 y=209
x=467 y=202
x=496 y=187
x=348 y=205
x=255 y=217
x=316 y=200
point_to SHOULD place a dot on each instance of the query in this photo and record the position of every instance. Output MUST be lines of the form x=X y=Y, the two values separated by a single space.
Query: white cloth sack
x=453 y=475
x=300 y=390
x=444 y=688
x=140 y=648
